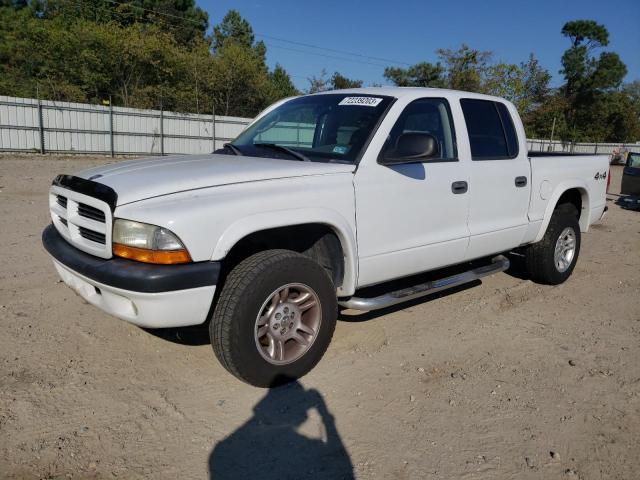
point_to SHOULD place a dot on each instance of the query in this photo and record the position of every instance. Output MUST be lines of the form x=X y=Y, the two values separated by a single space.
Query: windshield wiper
x=233 y=148
x=291 y=152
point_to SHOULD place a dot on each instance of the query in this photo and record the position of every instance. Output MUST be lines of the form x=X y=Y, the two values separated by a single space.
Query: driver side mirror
x=412 y=147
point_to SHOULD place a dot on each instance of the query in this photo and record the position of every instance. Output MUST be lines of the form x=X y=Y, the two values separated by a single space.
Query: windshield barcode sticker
x=362 y=101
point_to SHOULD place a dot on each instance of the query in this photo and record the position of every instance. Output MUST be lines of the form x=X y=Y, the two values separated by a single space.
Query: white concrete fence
x=29 y=125
x=535 y=145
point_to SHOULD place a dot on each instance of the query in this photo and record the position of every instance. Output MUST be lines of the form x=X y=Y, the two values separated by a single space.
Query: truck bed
x=552 y=173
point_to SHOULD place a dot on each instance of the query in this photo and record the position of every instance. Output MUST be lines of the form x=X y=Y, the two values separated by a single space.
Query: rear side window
x=509 y=129
x=492 y=134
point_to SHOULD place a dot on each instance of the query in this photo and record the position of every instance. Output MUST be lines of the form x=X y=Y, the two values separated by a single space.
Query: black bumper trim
x=128 y=274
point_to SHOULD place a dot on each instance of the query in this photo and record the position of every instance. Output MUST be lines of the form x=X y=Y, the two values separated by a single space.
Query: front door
x=412 y=217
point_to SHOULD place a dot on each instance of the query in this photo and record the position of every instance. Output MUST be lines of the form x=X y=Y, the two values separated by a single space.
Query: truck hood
x=140 y=179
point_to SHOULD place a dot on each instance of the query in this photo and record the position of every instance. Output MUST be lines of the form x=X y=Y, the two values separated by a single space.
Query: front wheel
x=274 y=318
x=552 y=260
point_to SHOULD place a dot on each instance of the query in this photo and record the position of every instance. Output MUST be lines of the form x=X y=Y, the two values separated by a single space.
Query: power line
x=269 y=44
x=178 y=17
x=344 y=52
x=334 y=57
x=292 y=42
x=325 y=55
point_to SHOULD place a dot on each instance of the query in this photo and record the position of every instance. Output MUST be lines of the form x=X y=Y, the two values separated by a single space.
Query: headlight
x=147 y=243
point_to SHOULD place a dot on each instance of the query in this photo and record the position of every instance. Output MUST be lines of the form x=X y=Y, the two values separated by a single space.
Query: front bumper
x=153 y=296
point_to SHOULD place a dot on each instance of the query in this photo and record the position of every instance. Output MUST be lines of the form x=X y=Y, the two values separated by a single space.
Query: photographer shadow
x=269 y=446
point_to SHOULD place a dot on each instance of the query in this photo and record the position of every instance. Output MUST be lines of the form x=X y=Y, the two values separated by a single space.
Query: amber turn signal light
x=162 y=257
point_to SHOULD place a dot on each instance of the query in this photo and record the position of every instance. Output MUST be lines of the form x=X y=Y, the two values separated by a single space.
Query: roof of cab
x=413 y=92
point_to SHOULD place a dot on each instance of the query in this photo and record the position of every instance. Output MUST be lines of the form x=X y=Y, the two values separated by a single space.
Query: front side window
x=426 y=115
x=327 y=127
x=492 y=135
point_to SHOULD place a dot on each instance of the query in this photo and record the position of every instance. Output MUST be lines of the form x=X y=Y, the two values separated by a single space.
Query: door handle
x=521 y=181
x=459 y=187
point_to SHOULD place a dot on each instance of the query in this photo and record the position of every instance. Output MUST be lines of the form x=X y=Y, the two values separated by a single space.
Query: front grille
x=93 y=213
x=96 y=237
x=83 y=221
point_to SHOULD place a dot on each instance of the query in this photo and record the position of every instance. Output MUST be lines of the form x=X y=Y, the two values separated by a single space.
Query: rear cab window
x=492 y=134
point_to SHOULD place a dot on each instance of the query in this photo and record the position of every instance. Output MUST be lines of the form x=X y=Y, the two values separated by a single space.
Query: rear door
x=500 y=180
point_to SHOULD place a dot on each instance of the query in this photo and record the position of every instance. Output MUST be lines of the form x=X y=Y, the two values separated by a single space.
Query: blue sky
x=411 y=31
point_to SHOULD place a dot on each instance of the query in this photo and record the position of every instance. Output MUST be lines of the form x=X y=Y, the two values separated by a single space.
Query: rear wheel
x=274 y=318
x=552 y=260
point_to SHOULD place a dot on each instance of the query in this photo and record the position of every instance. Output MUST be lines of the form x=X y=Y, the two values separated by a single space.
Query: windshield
x=328 y=127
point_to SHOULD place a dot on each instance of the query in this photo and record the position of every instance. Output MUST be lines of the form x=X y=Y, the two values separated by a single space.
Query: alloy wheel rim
x=288 y=323
x=565 y=250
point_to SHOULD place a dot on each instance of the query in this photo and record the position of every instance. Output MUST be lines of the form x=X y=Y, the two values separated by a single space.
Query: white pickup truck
x=321 y=196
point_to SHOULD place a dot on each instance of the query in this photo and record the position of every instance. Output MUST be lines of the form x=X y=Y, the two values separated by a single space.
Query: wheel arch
x=571 y=192
x=299 y=223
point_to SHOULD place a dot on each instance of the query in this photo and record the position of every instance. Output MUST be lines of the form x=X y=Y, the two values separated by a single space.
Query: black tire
x=247 y=287
x=539 y=257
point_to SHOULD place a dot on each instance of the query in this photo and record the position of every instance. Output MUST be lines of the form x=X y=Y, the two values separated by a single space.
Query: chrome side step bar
x=498 y=264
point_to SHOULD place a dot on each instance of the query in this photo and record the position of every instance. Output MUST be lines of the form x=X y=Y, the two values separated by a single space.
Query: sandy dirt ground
x=503 y=380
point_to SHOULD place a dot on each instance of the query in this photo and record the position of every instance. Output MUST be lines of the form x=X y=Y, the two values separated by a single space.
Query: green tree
x=465 y=67
x=318 y=83
x=590 y=105
x=422 y=74
x=526 y=85
x=142 y=64
x=281 y=84
x=16 y=4
x=547 y=119
x=586 y=32
x=504 y=80
x=237 y=28
x=339 y=82
x=185 y=21
x=240 y=80
x=585 y=74
x=591 y=83
x=632 y=90
x=621 y=114
x=578 y=66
